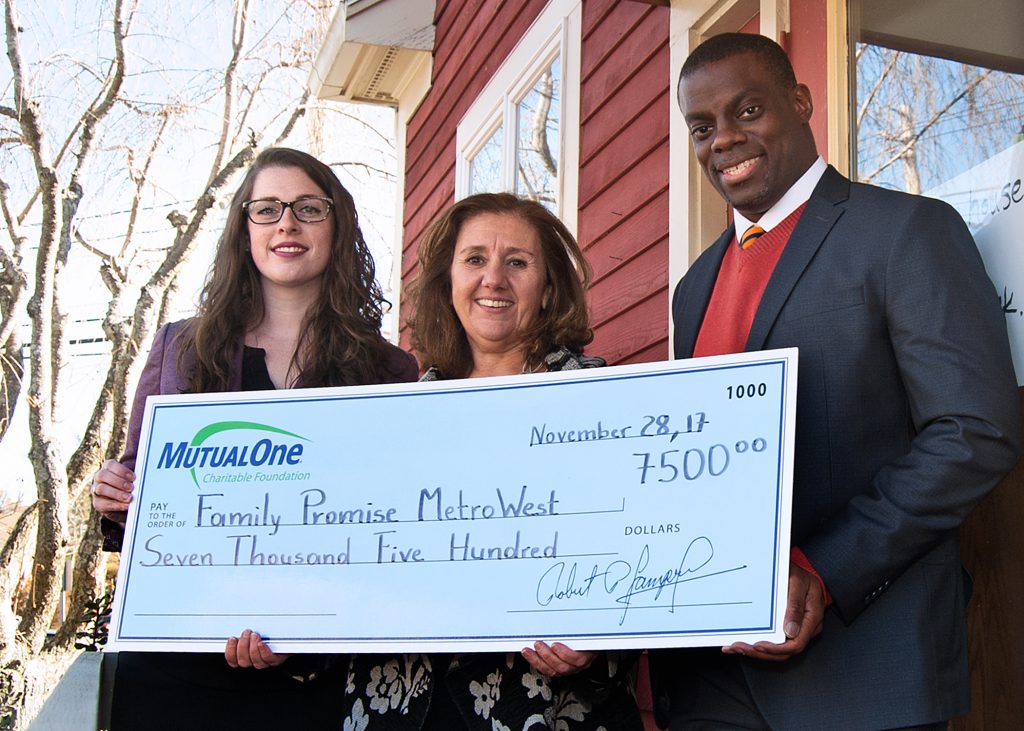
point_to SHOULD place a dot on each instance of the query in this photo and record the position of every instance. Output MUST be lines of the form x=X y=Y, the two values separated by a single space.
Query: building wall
x=471 y=40
x=623 y=195
x=623 y=191
x=807 y=46
x=806 y=43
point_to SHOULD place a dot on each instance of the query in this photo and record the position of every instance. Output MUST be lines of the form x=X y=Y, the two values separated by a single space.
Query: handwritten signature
x=564 y=582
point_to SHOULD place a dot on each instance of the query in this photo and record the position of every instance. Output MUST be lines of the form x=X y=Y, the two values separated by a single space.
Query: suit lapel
x=689 y=314
x=824 y=208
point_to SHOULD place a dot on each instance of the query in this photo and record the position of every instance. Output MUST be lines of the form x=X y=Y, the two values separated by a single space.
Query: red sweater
x=741 y=283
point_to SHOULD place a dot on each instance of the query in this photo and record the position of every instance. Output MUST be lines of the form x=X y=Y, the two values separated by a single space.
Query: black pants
x=176 y=691
x=718 y=698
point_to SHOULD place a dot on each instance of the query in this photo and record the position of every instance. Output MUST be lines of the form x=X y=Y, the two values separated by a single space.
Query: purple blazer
x=160 y=376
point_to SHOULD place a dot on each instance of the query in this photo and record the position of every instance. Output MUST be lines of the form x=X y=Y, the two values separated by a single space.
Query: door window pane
x=922 y=120
x=940 y=111
x=939 y=88
x=485 y=167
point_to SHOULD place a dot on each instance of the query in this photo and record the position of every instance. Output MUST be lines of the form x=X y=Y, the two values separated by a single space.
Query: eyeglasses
x=308 y=209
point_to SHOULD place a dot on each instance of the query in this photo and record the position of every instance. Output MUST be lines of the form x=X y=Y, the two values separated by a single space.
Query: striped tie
x=751 y=235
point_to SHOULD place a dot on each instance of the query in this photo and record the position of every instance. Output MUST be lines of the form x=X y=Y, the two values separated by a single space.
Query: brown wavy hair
x=437 y=334
x=340 y=342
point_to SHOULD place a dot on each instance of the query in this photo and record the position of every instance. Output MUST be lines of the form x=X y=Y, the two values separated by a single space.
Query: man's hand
x=805 y=616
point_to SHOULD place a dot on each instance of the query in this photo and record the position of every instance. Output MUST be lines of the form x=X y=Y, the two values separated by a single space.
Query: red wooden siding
x=623 y=189
x=807 y=46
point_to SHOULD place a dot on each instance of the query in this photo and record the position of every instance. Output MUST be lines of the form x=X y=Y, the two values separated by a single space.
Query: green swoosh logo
x=222 y=426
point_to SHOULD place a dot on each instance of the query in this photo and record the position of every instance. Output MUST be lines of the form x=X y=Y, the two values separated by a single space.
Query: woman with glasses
x=291 y=302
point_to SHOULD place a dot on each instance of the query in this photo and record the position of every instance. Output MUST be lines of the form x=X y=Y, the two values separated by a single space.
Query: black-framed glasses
x=308 y=209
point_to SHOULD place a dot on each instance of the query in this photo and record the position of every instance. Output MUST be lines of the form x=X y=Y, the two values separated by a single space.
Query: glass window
x=933 y=97
x=922 y=120
x=521 y=133
x=537 y=157
x=485 y=175
x=532 y=169
x=940 y=111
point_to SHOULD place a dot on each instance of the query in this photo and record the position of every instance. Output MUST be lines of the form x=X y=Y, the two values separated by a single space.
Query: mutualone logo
x=263 y=451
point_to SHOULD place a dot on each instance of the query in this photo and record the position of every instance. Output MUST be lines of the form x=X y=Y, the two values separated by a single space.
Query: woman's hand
x=557 y=659
x=112 y=490
x=250 y=651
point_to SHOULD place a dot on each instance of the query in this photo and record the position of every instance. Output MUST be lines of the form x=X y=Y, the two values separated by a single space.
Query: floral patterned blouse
x=493 y=691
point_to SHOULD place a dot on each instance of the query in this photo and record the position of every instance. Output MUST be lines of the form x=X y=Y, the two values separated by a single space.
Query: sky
x=175 y=54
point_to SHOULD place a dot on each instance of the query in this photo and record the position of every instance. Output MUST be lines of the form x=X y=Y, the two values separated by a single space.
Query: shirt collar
x=795 y=197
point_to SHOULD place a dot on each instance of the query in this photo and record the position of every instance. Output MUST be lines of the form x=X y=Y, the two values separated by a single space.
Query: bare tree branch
x=386 y=174
x=140 y=180
x=94 y=250
x=116 y=71
x=237 y=41
x=253 y=93
x=289 y=126
x=72 y=197
x=85 y=574
x=539 y=126
x=10 y=261
x=919 y=111
x=369 y=128
x=92 y=119
x=13 y=294
x=50 y=533
x=928 y=125
x=11 y=382
x=10 y=559
x=889 y=66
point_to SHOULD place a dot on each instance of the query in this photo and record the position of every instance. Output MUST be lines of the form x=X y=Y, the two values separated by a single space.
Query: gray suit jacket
x=906 y=417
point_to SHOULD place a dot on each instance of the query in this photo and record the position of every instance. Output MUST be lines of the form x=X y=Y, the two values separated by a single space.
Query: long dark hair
x=437 y=333
x=340 y=341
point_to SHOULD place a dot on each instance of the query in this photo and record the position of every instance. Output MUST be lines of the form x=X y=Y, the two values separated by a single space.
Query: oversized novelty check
x=629 y=506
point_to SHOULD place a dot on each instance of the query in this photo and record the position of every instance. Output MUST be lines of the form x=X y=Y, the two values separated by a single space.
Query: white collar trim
x=795 y=197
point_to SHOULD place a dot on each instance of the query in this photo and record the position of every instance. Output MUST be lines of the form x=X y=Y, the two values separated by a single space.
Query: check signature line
x=661 y=587
x=626 y=600
x=632 y=606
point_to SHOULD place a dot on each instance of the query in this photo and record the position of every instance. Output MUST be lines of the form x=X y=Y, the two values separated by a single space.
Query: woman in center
x=501 y=290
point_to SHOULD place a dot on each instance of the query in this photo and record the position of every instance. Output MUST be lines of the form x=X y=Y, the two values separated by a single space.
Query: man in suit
x=906 y=412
